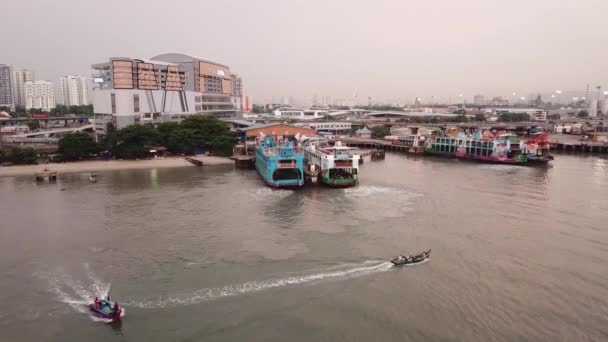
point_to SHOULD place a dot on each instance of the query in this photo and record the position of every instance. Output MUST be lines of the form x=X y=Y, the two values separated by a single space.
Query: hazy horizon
x=383 y=49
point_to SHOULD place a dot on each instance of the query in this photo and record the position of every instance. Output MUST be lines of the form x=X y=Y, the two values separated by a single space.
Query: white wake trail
x=207 y=294
x=77 y=294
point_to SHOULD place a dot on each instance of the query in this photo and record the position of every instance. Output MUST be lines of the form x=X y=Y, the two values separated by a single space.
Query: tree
x=459 y=111
x=258 y=109
x=74 y=146
x=379 y=132
x=59 y=110
x=583 y=114
x=165 y=129
x=33 y=125
x=211 y=133
x=17 y=155
x=183 y=140
x=480 y=118
x=133 y=141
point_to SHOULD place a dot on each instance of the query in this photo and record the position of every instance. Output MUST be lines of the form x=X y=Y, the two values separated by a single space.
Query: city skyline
x=393 y=50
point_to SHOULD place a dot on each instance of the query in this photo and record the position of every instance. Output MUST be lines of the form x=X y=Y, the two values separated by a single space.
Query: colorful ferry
x=334 y=166
x=504 y=149
x=537 y=148
x=280 y=165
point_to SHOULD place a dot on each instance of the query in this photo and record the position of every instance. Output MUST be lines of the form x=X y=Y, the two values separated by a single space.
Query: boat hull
x=266 y=174
x=339 y=183
x=115 y=316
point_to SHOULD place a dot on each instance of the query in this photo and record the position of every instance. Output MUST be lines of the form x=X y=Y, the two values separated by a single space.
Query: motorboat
x=93 y=178
x=402 y=260
x=105 y=309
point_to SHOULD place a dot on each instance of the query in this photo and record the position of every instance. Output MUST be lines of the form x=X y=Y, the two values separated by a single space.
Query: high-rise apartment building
x=237 y=91
x=594 y=100
x=479 y=100
x=19 y=79
x=74 y=90
x=6 y=87
x=168 y=87
x=40 y=94
x=248 y=104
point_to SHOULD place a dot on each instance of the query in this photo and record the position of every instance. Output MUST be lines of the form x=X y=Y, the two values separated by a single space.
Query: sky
x=384 y=49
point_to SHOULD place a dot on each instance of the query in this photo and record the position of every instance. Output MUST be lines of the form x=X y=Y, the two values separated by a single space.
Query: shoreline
x=110 y=165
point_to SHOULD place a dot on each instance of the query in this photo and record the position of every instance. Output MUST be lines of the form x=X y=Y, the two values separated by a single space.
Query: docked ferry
x=503 y=149
x=334 y=166
x=537 y=148
x=280 y=165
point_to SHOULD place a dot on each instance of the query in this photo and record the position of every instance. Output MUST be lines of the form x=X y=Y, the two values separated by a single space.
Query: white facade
x=131 y=106
x=6 y=86
x=300 y=114
x=40 y=94
x=74 y=90
x=169 y=87
x=329 y=126
x=19 y=79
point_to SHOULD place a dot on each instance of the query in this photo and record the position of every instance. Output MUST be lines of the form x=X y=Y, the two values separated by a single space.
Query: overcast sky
x=382 y=48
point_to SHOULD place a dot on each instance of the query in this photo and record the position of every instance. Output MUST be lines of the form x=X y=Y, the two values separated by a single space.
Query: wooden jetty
x=194 y=161
x=49 y=175
x=584 y=147
x=244 y=161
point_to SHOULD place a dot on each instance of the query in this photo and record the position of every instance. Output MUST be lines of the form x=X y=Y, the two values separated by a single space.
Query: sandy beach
x=110 y=165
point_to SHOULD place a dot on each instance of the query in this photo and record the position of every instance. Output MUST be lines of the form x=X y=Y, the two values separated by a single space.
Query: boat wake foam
x=395 y=202
x=209 y=294
x=78 y=294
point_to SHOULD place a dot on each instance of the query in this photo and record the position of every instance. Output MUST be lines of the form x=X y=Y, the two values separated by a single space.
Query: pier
x=51 y=176
x=381 y=145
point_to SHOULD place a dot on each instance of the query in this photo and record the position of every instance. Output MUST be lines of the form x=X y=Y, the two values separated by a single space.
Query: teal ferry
x=279 y=165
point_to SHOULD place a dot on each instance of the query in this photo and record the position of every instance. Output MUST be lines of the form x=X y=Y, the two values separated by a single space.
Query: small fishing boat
x=105 y=309
x=411 y=259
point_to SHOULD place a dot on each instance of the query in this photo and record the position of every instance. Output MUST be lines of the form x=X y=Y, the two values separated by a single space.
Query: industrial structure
x=167 y=87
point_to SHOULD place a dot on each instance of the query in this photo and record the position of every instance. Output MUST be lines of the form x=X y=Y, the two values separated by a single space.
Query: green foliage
x=61 y=110
x=480 y=118
x=74 y=146
x=36 y=111
x=33 y=125
x=212 y=133
x=197 y=131
x=379 y=132
x=17 y=155
x=582 y=114
x=258 y=109
x=165 y=129
x=133 y=141
x=183 y=140
x=459 y=111
x=459 y=118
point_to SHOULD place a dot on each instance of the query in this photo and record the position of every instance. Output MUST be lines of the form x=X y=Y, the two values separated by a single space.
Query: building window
x=136 y=103
x=113 y=101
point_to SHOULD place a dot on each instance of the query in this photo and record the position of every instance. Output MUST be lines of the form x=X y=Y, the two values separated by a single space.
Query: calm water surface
x=519 y=254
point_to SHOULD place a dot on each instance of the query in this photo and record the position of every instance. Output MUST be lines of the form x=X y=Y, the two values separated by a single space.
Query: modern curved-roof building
x=166 y=87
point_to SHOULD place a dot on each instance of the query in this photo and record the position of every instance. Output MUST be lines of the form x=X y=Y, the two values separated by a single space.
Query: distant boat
x=93 y=178
x=411 y=259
